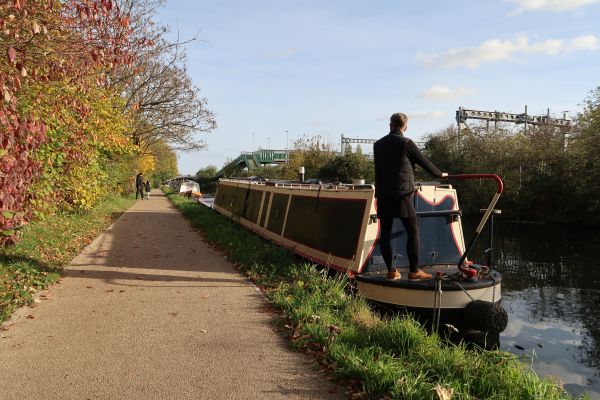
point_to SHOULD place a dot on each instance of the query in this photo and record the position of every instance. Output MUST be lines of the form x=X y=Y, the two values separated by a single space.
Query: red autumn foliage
x=48 y=41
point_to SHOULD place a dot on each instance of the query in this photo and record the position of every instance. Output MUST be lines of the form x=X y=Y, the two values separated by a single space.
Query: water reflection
x=551 y=292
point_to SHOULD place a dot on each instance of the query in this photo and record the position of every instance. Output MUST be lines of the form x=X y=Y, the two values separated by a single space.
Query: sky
x=275 y=70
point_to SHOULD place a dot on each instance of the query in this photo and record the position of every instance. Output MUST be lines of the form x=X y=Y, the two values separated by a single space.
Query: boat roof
x=314 y=183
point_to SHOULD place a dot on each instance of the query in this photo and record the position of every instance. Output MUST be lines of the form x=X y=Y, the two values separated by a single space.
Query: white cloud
x=445 y=93
x=424 y=114
x=496 y=50
x=549 y=5
x=587 y=42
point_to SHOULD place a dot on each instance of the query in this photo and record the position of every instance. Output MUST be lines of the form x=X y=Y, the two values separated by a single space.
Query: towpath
x=150 y=311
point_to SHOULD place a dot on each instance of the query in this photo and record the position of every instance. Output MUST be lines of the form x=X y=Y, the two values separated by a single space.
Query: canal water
x=551 y=290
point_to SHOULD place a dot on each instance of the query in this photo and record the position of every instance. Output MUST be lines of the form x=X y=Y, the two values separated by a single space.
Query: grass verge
x=392 y=358
x=46 y=246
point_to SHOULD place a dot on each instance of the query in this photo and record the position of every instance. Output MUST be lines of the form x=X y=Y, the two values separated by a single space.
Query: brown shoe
x=418 y=276
x=393 y=275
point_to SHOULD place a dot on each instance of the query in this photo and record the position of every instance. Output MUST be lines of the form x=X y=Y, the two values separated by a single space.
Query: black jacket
x=395 y=159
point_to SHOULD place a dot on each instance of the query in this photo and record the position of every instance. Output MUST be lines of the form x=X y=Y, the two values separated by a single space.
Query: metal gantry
x=499 y=116
x=346 y=140
x=463 y=114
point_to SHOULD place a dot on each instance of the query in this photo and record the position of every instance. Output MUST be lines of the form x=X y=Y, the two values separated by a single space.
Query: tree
x=158 y=89
x=77 y=150
x=533 y=165
x=208 y=172
x=347 y=167
x=312 y=153
x=583 y=149
x=207 y=179
x=165 y=163
x=75 y=42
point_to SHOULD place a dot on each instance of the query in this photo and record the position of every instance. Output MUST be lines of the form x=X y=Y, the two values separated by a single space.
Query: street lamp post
x=287 y=145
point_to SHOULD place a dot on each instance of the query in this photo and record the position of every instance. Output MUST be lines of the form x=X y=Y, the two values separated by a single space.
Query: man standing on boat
x=395 y=159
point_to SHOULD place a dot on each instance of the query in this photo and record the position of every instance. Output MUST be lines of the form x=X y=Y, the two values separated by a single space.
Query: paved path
x=150 y=311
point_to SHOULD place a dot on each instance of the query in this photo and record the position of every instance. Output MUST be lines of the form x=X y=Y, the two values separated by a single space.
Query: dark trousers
x=411 y=226
x=139 y=190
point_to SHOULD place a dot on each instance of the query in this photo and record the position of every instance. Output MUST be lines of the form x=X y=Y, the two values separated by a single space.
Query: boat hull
x=336 y=226
x=415 y=296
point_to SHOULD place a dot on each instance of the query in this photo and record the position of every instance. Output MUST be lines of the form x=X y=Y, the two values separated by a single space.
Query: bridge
x=256 y=159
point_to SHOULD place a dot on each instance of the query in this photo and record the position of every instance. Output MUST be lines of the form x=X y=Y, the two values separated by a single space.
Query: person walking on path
x=395 y=159
x=139 y=186
x=148 y=189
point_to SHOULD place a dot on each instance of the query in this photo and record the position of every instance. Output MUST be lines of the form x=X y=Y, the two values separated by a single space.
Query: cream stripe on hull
x=424 y=298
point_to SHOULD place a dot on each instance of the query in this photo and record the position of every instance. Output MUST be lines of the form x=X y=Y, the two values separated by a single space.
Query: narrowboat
x=335 y=225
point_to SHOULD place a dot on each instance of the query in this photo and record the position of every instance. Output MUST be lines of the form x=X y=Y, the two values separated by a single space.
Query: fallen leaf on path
x=173 y=314
x=203 y=331
x=109 y=290
x=89 y=286
x=30 y=316
x=121 y=291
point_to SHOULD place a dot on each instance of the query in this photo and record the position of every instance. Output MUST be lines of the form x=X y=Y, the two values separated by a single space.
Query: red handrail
x=467 y=271
x=494 y=177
